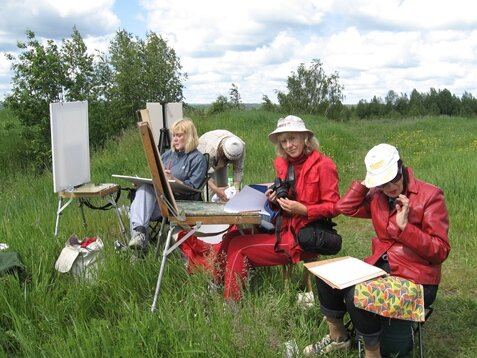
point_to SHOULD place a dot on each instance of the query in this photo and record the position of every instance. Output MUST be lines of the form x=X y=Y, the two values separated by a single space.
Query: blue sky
x=374 y=45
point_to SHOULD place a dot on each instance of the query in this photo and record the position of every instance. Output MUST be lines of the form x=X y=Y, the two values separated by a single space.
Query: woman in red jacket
x=312 y=196
x=411 y=223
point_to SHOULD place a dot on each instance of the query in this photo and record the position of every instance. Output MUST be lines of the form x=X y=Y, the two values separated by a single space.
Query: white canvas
x=156 y=118
x=69 y=144
x=172 y=112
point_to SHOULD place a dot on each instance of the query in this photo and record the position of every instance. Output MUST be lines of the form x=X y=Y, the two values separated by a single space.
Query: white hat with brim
x=381 y=165
x=288 y=124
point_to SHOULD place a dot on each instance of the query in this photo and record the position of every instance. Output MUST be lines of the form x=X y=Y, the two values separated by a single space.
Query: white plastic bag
x=80 y=257
x=229 y=193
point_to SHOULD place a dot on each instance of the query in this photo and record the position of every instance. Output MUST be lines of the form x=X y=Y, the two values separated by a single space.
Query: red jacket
x=417 y=252
x=317 y=188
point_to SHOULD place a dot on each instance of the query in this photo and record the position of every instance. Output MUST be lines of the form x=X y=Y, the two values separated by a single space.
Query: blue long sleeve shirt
x=190 y=168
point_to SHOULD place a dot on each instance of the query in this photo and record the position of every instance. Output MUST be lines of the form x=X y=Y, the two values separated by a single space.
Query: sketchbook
x=342 y=272
x=250 y=198
x=175 y=185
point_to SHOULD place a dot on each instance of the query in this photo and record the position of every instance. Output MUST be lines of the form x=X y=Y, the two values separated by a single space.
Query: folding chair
x=416 y=329
x=187 y=215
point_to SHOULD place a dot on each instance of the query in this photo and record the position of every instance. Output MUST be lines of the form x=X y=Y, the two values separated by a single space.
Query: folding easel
x=187 y=215
x=82 y=193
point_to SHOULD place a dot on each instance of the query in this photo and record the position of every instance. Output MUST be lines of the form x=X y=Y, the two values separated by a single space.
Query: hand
x=292 y=207
x=169 y=175
x=402 y=208
x=271 y=195
x=221 y=193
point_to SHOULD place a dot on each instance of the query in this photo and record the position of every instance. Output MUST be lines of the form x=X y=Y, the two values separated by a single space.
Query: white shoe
x=326 y=345
x=138 y=241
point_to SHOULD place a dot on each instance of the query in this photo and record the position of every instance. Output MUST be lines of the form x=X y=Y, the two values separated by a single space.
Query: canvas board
x=156 y=119
x=69 y=144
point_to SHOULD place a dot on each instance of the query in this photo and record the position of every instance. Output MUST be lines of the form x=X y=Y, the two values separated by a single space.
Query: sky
x=373 y=45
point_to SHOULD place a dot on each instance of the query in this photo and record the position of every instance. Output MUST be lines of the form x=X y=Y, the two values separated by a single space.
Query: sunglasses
x=393 y=181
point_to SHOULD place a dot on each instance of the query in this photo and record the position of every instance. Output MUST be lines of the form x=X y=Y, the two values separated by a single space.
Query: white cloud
x=375 y=46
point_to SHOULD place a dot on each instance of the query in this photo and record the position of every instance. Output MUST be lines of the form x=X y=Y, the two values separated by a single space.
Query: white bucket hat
x=381 y=165
x=288 y=124
x=232 y=147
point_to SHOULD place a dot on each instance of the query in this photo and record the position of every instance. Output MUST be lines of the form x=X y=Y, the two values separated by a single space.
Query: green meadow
x=55 y=315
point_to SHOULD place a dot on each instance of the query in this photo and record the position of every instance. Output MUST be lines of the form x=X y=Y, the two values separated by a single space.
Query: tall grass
x=54 y=315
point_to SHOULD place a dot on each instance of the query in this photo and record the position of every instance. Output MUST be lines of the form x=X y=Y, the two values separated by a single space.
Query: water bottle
x=230 y=191
x=230 y=176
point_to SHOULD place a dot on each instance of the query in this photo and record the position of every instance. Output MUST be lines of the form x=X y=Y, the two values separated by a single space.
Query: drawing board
x=69 y=144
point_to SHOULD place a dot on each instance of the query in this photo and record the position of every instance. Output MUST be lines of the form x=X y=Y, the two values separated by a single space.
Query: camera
x=280 y=187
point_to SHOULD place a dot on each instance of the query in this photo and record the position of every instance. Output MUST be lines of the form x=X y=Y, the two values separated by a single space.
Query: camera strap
x=278 y=222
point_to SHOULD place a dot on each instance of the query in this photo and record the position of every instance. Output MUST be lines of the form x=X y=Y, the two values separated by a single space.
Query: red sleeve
x=355 y=202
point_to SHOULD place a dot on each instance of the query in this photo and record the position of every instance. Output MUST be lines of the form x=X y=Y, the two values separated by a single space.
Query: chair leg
x=419 y=330
x=286 y=271
x=307 y=280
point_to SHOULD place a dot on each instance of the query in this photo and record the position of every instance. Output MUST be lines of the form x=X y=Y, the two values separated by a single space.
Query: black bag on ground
x=320 y=237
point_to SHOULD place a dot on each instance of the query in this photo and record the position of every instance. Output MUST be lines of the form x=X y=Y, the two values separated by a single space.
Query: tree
x=310 y=90
x=469 y=105
x=235 y=98
x=267 y=104
x=221 y=104
x=416 y=104
x=38 y=78
x=143 y=71
x=78 y=67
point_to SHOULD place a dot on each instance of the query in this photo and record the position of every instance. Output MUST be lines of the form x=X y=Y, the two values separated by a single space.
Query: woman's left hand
x=292 y=207
x=402 y=208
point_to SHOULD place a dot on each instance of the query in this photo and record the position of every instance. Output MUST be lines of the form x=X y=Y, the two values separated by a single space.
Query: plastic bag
x=80 y=257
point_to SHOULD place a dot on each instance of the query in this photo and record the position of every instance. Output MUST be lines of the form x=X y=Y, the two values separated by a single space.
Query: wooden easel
x=187 y=215
x=82 y=193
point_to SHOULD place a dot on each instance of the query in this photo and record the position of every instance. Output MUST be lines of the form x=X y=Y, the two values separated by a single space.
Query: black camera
x=280 y=187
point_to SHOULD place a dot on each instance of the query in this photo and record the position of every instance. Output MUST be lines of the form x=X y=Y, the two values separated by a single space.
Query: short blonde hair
x=311 y=142
x=187 y=127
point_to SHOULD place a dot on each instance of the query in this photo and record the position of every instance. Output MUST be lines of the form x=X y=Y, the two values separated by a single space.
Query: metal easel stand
x=168 y=250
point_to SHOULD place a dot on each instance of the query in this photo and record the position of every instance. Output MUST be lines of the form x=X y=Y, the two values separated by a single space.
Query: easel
x=82 y=193
x=71 y=162
x=187 y=215
x=164 y=140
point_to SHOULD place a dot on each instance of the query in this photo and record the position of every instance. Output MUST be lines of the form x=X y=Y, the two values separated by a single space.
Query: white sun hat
x=233 y=148
x=381 y=165
x=288 y=124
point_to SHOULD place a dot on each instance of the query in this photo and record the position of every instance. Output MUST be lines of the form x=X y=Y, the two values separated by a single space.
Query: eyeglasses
x=393 y=181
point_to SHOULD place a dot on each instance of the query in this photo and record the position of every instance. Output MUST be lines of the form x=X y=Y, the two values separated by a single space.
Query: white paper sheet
x=247 y=199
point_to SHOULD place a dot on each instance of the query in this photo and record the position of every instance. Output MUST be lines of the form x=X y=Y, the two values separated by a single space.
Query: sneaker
x=138 y=241
x=326 y=345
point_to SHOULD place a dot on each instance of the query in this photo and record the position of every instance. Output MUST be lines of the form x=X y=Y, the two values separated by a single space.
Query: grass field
x=54 y=315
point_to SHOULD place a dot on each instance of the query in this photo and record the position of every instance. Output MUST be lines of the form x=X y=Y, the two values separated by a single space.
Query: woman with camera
x=306 y=189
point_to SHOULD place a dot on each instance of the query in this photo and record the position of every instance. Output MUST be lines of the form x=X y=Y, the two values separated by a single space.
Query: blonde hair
x=187 y=127
x=311 y=143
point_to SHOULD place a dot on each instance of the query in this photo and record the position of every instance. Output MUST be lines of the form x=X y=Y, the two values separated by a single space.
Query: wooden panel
x=156 y=168
x=90 y=190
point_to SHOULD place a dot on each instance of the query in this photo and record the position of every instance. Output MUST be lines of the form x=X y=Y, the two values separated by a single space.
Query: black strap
x=278 y=222
x=104 y=207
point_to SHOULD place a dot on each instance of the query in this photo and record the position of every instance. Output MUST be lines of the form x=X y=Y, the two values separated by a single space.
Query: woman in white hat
x=312 y=196
x=411 y=224
x=223 y=148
